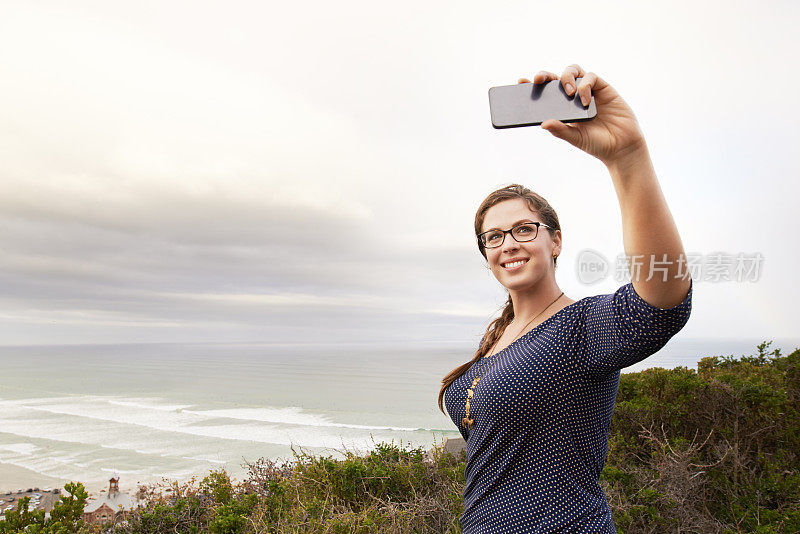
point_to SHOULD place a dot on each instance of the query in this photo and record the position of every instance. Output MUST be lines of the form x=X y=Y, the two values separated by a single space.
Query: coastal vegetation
x=707 y=450
x=65 y=517
x=712 y=450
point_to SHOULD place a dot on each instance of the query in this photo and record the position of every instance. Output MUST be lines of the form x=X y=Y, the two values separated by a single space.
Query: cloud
x=237 y=172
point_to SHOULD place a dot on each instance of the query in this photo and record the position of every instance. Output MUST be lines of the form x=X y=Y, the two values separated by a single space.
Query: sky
x=309 y=172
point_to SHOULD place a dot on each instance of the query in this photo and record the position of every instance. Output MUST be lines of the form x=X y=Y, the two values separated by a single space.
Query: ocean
x=153 y=411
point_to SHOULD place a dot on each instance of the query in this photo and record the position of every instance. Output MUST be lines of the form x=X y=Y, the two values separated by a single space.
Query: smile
x=514 y=265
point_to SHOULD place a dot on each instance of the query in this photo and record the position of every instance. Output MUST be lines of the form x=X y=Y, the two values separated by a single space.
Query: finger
x=568 y=78
x=585 y=88
x=563 y=131
x=524 y=80
x=599 y=88
x=544 y=76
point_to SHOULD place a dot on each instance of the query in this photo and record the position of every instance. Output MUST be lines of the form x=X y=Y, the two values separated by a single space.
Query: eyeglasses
x=521 y=233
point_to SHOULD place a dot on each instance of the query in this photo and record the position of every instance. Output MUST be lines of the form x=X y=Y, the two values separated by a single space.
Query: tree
x=66 y=517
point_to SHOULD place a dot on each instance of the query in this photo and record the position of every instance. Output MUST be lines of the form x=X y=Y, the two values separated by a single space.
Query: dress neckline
x=534 y=329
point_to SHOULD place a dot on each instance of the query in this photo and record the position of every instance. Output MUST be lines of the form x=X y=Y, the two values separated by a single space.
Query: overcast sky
x=310 y=171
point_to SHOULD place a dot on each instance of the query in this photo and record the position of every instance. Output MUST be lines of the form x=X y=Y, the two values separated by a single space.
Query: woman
x=535 y=403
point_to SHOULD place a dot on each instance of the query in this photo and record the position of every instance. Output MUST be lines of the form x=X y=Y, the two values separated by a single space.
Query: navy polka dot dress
x=542 y=412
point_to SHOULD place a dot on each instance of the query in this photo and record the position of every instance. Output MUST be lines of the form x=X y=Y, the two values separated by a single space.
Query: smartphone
x=528 y=104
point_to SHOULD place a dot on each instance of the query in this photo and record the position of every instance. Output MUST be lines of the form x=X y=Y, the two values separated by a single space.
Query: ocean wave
x=140 y=411
x=122 y=471
x=147 y=404
x=201 y=459
x=290 y=415
x=19 y=448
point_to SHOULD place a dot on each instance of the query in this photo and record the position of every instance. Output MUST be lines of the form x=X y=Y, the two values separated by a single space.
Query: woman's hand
x=648 y=230
x=613 y=135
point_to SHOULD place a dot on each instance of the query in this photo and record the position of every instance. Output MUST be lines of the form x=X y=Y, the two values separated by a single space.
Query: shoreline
x=14 y=477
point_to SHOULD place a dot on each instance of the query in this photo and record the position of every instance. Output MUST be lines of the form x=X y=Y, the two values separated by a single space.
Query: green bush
x=714 y=450
x=65 y=517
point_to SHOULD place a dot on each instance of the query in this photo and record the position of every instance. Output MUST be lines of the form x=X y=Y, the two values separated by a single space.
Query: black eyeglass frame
x=536 y=224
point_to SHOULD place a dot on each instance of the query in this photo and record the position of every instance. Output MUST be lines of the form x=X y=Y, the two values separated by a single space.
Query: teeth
x=515 y=264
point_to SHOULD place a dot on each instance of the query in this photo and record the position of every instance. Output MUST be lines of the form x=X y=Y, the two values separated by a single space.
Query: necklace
x=469 y=421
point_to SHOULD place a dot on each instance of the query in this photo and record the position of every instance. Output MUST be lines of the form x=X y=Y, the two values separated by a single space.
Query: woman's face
x=537 y=255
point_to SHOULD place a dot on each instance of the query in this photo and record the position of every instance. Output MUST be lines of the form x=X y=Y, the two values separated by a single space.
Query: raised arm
x=649 y=232
x=650 y=237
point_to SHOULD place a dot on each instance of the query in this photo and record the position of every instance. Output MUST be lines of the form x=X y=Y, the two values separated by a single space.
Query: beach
x=15 y=478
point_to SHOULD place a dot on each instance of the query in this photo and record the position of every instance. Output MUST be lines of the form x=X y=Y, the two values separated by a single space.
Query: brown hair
x=496 y=328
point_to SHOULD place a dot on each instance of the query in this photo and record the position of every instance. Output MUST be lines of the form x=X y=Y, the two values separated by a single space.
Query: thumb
x=562 y=131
